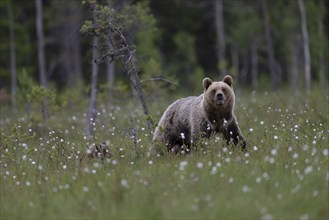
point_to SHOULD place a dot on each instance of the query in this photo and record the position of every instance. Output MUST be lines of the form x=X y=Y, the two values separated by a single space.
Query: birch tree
x=41 y=43
x=91 y=115
x=110 y=71
x=269 y=46
x=41 y=53
x=306 y=45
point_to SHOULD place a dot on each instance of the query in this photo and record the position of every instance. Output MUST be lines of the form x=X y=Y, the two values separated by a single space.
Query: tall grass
x=283 y=175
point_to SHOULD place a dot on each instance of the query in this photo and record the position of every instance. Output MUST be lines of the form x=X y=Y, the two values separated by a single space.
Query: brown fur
x=188 y=119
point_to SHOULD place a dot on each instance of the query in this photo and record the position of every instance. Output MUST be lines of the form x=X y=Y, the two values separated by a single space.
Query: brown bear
x=188 y=119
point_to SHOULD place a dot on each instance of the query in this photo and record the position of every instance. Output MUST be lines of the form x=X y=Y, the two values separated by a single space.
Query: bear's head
x=219 y=95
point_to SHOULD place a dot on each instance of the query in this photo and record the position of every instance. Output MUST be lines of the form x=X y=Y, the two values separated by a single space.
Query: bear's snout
x=220 y=98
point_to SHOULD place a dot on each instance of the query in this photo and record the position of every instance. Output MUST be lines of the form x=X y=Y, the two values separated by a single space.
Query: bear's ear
x=228 y=80
x=206 y=82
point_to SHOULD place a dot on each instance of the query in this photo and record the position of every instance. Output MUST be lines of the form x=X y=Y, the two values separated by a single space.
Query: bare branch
x=159 y=78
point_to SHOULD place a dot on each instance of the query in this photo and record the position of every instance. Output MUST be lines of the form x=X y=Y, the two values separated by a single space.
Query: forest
x=84 y=84
x=263 y=44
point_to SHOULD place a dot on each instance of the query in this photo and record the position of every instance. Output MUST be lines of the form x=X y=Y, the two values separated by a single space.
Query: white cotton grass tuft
x=308 y=170
x=182 y=165
x=199 y=165
x=124 y=183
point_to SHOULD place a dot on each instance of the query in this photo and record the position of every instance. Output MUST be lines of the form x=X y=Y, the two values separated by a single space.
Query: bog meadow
x=81 y=74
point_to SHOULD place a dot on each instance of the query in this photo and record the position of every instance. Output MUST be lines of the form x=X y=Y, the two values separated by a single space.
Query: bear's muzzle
x=220 y=99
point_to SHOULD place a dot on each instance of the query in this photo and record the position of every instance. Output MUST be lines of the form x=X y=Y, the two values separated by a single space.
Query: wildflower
x=296 y=189
x=267 y=217
x=304 y=217
x=308 y=170
x=124 y=183
x=246 y=189
x=213 y=170
x=266 y=176
x=199 y=165
x=273 y=152
x=182 y=165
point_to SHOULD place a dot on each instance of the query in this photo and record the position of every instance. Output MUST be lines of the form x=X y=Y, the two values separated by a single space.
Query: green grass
x=284 y=174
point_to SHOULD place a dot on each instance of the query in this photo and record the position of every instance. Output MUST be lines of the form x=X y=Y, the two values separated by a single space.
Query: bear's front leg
x=233 y=134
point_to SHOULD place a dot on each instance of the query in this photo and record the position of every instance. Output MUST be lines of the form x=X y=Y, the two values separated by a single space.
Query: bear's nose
x=220 y=96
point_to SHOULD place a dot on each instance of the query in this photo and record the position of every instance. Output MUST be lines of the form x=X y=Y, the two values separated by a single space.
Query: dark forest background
x=264 y=44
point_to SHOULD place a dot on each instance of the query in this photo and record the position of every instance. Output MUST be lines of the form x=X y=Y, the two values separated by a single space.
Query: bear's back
x=182 y=107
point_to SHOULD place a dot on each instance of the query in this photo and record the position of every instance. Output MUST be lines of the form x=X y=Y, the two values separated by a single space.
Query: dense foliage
x=175 y=40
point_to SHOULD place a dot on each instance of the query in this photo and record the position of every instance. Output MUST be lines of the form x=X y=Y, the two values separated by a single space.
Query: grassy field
x=283 y=175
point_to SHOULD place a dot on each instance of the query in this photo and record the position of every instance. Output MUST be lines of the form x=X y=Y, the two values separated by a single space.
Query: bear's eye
x=224 y=90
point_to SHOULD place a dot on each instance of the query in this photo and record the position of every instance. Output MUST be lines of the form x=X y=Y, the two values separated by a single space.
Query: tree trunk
x=12 y=55
x=219 y=23
x=254 y=64
x=321 y=56
x=110 y=68
x=122 y=51
x=269 y=47
x=136 y=83
x=294 y=70
x=91 y=116
x=306 y=49
x=69 y=41
x=41 y=44
x=306 y=46
x=74 y=43
x=41 y=54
